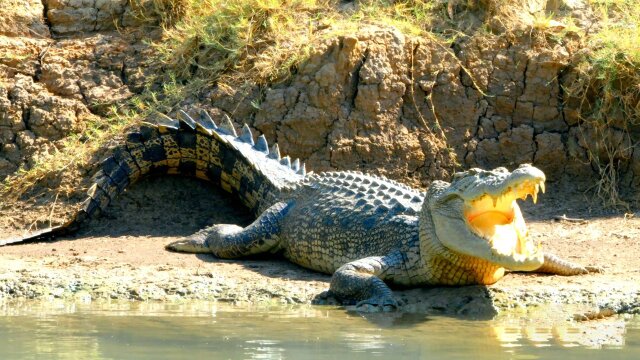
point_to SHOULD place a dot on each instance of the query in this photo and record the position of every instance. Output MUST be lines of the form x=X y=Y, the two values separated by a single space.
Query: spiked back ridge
x=369 y=192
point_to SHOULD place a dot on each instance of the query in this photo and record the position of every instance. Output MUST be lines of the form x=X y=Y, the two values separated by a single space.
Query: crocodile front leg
x=232 y=241
x=361 y=282
x=555 y=265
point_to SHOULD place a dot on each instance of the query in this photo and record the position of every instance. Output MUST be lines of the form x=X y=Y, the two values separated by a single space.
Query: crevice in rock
x=257 y=103
x=95 y=20
x=561 y=75
x=26 y=114
x=123 y=74
x=38 y=68
x=355 y=80
x=45 y=16
x=84 y=97
x=524 y=77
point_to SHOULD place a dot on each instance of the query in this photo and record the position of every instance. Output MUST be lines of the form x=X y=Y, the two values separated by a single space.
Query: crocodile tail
x=189 y=147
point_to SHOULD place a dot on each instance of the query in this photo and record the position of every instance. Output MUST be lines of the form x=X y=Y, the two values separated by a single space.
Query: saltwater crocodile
x=368 y=231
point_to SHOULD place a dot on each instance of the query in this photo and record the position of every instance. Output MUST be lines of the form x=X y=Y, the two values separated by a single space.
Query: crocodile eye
x=459 y=175
x=462 y=174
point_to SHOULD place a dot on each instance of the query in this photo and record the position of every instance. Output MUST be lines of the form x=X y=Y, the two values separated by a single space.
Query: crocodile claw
x=594 y=269
x=377 y=304
x=189 y=245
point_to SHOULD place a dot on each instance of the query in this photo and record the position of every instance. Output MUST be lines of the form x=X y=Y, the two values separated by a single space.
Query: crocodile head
x=477 y=215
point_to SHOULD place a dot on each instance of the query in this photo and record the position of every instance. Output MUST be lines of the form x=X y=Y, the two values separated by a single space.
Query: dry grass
x=261 y=41
x=608 y=86
x=79 y=151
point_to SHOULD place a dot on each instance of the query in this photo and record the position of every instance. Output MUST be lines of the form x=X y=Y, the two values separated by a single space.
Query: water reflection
x=540 y=331
x=135 y=330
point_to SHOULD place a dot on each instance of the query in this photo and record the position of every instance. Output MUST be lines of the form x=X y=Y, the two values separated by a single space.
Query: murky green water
x=46 y=330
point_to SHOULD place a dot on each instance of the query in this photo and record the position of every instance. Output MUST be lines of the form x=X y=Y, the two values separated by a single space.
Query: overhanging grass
x=608 y=86
x=78 y=150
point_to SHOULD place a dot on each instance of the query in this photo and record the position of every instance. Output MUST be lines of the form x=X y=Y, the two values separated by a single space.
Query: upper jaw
x=522 y=182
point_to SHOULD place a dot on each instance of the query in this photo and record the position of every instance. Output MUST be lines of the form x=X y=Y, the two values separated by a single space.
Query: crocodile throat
x=497 y=218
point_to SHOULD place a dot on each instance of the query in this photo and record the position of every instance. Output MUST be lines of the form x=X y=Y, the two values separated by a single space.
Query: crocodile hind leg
x=232 y=241
x=555 y=265
x=361 y=282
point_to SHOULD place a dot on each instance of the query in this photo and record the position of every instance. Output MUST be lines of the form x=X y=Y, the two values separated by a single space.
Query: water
x=49 y=330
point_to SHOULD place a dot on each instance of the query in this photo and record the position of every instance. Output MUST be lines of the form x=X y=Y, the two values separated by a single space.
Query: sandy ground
x=121 y=256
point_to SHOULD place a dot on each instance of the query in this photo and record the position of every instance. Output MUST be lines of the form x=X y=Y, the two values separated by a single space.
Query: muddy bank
x=122 y=256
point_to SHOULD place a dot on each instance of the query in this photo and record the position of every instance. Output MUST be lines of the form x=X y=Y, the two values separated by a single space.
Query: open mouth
x=497 y=218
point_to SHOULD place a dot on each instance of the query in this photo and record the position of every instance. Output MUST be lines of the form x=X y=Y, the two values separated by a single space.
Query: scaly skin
x=369 y=232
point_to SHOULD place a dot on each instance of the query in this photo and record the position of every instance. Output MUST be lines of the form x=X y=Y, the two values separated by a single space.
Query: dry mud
x=122 y=256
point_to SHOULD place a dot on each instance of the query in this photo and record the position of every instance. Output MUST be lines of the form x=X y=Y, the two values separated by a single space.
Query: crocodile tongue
x=497 y=219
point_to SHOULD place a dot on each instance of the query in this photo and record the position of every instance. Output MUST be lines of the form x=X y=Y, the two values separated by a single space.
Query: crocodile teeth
x=186 y=119
x=262 y=145
x=495 y=201
x=246 y=136
x=296 y=165
x=275 y=152
x=535 y=194
x=542 y=186
x=227 y=126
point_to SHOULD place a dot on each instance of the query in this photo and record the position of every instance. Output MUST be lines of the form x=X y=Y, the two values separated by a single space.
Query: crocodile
x=368 y=231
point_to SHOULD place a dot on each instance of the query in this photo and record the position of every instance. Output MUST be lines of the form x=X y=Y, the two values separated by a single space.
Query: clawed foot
x=377 y=304
x=325 y=298
x=192 y=244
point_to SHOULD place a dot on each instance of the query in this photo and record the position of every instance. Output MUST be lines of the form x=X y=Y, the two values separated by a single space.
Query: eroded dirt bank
x=358 y=100
x=122 y=256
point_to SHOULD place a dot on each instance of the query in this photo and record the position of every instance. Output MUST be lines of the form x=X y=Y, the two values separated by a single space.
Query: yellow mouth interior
x=497 y=218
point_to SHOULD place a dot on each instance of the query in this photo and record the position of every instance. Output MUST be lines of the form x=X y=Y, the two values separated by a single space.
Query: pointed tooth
x=495 y=201
x=245 y=135
x=303 y=170
x=535 y=196
x=275 y=152
x=542 y=186
x=186 y=119
x=286 y=161
x=227 y=126
x=262 y=145
x=296 y=165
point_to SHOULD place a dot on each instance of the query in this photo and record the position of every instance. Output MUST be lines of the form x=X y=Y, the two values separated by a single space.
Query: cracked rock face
x=49 y=87
x=351 y=106
x=72 y=16
x=372 y=101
